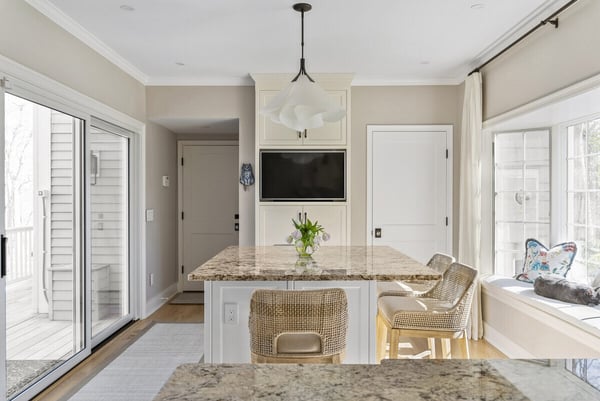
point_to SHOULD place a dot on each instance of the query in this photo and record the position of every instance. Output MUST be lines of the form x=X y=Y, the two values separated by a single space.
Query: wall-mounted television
x=303 y=175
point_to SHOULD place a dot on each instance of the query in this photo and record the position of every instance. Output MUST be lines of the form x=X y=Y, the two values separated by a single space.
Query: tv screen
x=303 y=175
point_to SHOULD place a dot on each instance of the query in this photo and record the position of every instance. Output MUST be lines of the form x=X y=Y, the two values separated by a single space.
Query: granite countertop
x=274 y=263
x=405 y=380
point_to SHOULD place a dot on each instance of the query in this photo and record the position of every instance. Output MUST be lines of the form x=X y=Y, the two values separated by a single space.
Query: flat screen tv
x=311 y=175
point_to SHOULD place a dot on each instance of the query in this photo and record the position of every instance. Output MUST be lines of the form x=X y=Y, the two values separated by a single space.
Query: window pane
x=509 y=237
x=537 y=176
x=537 y=145
x=576 y=174
x=593 y=252
x=537 y=206
x=509 y=177
x=541 y=232
x=593 y=172
x=594 y=208
x=509 y=147
x=578 y=234
x=576 y=208
x=593 y=142
x=576 y=142
x=509 y=263
x=508 y=207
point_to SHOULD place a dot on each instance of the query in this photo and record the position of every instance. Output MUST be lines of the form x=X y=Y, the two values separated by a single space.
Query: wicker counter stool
x=298 y=326
x=442 y=312
x=439 y=262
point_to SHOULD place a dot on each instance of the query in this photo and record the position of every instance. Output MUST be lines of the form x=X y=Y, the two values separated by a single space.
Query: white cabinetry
x=272 y=134
x=275 y=221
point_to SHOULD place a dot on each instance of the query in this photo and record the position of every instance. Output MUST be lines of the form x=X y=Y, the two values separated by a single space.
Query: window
x=521 y=195
x=583 y=197
x=587 y=370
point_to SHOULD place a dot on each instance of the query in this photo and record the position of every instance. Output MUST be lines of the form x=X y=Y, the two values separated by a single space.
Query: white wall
x=161 y=234
x=225 y=102
x=549 y=60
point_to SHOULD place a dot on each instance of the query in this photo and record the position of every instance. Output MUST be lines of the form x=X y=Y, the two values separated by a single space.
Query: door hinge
x=181 y=269
x=446 y=153
x=446 y=221
x=181 y=215
x=182 y=161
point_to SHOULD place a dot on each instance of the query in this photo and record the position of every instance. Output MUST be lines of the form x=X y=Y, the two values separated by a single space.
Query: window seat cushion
x=585 y=317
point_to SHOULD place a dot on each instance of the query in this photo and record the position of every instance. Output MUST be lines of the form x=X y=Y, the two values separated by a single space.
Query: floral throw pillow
x=541 y=260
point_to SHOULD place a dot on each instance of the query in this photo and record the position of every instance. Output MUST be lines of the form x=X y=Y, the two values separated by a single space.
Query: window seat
x=522 y=324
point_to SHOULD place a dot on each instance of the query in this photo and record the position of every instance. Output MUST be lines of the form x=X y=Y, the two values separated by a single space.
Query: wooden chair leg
x=431 y=343
x=381 y=335
x=464 y=345
x=446 y=349
x=394 y=340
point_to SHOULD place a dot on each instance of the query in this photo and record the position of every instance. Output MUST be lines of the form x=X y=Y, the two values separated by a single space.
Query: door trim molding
x=180 y=145
x=448 y=129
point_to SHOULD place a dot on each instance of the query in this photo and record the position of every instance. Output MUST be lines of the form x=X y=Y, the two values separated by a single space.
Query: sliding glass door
x=42 y=225
x=109 y=225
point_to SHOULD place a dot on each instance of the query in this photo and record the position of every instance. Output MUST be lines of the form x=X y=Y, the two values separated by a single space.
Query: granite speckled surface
x=274 y=263
x=406 y=380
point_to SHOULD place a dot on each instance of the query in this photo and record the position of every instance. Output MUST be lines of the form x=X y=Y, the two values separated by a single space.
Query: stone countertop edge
x=352 y=263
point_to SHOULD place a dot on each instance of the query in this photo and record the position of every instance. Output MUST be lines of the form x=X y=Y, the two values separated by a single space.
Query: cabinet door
x=271 y=133
x=333 y=220
x=275 y=223
x=330 y=133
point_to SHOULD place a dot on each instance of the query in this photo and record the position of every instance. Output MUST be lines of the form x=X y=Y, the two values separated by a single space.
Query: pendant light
x=303 y=104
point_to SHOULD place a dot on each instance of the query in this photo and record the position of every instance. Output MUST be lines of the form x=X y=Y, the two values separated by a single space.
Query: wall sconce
x=246 y=175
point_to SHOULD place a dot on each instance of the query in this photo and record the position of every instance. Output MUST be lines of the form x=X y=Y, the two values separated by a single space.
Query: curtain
x=469 y=239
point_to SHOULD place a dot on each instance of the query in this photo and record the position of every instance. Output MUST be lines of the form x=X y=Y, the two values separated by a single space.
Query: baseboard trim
x=153 y=304
x=503 y=344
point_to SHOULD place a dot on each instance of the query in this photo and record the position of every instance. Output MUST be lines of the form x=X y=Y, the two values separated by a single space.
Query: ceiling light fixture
x=303 y=104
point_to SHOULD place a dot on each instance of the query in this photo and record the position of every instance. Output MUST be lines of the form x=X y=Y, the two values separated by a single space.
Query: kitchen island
x=231 y=276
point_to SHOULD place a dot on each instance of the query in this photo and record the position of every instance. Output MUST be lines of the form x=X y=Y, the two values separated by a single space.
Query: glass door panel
x=109 y=207
x=44 y=297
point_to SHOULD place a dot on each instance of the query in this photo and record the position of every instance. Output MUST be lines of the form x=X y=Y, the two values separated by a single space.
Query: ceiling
x=216 y=42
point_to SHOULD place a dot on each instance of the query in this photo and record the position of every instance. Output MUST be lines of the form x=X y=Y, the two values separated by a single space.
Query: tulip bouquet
x=308 y=237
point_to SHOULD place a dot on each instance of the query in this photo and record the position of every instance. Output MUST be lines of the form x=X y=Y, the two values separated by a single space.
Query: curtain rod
x=552 y=20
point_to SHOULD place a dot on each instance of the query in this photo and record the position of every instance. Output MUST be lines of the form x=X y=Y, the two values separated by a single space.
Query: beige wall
x=549 y=60
x=398 y=105
x=31 y=39
x=161 y=234
x=224 y=102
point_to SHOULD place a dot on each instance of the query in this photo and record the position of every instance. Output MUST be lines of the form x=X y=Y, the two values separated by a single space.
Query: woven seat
x=298 y=326
x=441 y=312
x=439 y=262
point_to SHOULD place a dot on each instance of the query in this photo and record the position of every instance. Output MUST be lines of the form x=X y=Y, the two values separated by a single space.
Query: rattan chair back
x=455 y=282
x=440 y=262
x=274 y=312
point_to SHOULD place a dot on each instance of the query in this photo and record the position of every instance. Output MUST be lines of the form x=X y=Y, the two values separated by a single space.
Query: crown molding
x=74 y=28
x=391 y=81
x=535 y=17
x=200 y=81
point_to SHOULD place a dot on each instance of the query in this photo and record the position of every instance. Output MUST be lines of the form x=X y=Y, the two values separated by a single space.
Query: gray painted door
x=210 y=203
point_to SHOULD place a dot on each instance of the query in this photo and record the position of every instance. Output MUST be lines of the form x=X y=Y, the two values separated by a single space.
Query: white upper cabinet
x=273 y=134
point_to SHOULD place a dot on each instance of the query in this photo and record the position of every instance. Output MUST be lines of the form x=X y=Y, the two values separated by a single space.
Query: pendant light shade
x=303 y=104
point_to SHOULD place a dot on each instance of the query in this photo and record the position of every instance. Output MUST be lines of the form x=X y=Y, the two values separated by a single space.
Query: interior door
x=409 y=192
x=210 y=180
x=2 y=256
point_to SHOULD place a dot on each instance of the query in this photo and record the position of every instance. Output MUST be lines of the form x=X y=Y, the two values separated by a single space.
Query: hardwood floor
x=65 y=387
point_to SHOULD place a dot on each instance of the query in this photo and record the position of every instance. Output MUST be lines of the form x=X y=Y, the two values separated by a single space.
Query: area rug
x=188 y=298
x=139 y=373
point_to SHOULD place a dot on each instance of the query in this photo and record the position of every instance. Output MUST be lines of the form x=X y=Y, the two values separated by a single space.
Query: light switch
x=149 y=214
x=165 y=181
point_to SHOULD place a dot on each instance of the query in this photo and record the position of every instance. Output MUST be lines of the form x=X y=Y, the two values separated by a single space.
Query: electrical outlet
x=231 y=313
x=151 y=279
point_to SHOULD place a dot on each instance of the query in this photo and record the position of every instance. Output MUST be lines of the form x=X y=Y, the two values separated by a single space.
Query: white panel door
x=2 y=276
x=210 y=203
x=409 y=204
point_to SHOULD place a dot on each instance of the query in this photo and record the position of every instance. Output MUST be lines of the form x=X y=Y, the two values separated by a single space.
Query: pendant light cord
x=302 y=62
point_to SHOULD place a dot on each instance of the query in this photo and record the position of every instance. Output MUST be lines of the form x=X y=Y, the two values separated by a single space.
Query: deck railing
x=19 y=254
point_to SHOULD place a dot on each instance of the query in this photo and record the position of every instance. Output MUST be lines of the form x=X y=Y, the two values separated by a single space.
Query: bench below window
x=522 y=324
